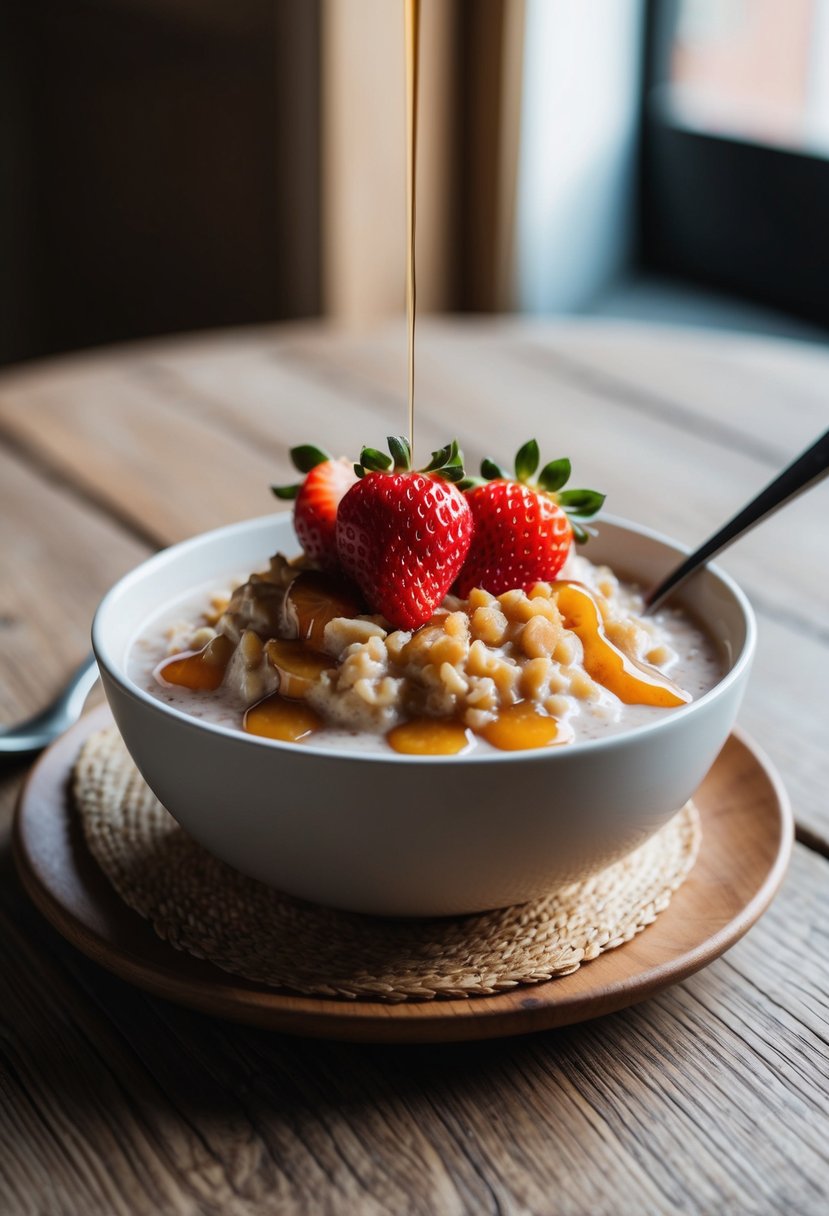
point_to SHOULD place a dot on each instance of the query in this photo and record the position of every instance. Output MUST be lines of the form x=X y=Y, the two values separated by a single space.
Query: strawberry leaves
x=581 y=503
x=372 y=460
x=286 y=492
x=524 y=523
x=526 y=461
x=304 y=458
x=554 y=475
x=404 y=535
x=446 y=462
x=490 y=471
x=401 y=451
x=576 y=504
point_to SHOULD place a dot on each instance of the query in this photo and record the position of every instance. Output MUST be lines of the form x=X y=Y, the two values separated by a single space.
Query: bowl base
x=744 y=815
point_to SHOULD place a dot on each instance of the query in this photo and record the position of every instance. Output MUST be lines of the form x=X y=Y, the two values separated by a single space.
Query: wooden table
x=709 y=1098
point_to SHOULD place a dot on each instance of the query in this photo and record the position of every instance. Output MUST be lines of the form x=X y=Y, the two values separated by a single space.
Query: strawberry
x=316 y=500
x=403 y=535
x=523 y=528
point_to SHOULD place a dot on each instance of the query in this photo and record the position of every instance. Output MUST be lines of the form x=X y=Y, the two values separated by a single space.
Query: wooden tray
x=748 y=832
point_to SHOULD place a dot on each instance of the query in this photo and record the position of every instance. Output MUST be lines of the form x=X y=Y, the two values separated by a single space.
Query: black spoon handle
x=801 y=474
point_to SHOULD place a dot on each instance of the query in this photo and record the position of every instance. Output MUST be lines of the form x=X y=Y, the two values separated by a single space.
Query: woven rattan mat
x=203 y=906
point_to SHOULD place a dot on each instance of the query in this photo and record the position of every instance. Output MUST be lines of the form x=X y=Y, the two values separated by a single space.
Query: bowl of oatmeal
x=513 y=744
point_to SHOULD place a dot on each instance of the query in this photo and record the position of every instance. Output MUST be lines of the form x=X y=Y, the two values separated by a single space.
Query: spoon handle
x=806 y=471
x=37 y=732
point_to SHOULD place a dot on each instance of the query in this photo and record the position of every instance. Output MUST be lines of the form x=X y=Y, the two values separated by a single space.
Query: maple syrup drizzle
x=523 y=727
x=430 y=737
x=317 y=598
x=313 y=599
x=298 y=666
x=278 y=718
x=199 y=670
x=412 y=23
x=633 y=683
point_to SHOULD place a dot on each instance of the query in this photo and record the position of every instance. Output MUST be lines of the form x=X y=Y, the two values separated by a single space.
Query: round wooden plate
x=747 y=836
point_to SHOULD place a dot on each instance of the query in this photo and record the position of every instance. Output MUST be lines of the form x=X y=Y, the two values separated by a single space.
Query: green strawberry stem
x=554 y=475
x=526 y=460
x=446 y=462
x=285 y=492
x=401 y=451
x=304 y=458
x=576 y=504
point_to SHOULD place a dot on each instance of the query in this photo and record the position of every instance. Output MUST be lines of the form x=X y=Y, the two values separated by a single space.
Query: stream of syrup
x=412 y=22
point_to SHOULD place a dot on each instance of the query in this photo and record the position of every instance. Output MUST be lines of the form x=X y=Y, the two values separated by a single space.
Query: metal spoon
x=35 y=733
x=809 y=468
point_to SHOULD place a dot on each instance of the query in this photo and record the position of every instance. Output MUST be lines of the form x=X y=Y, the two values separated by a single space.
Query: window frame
x=724 y=212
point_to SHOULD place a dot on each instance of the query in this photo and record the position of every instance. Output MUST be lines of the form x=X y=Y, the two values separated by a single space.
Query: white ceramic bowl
x=416 y=836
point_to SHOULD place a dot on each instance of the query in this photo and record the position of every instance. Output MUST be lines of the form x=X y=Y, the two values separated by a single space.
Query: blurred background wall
x=159 y=166
x=168 y=165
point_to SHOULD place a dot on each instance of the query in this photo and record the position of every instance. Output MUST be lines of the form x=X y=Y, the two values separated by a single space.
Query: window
x=735 y=161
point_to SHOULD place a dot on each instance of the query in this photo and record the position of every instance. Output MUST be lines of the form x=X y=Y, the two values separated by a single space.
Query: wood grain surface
x=712 y=1096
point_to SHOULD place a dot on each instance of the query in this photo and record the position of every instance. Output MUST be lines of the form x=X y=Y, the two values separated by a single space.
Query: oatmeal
x=293 y=654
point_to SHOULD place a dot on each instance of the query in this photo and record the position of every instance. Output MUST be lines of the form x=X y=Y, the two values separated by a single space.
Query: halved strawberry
x=403 y=535
x=316 y=500
x=523 y=528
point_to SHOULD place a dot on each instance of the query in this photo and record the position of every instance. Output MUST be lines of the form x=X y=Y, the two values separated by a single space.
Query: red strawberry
x=403 y=535
x=316 y=501
x=523 y=528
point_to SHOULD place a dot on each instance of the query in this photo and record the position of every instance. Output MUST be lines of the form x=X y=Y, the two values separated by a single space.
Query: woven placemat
x=203 y=906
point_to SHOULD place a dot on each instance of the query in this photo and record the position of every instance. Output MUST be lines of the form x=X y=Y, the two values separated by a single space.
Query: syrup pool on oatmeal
x=294 y=655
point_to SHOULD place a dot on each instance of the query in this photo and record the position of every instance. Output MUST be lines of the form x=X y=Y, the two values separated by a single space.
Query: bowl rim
x=167 y=556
